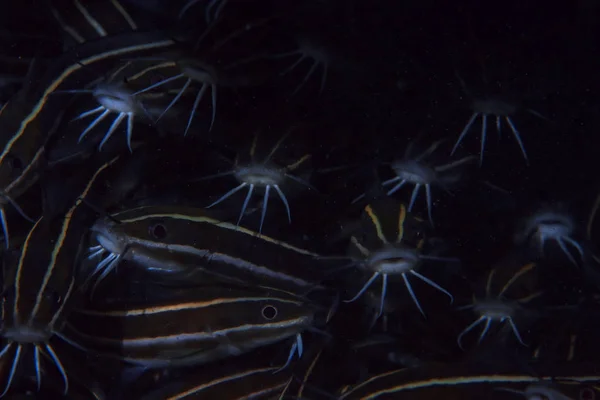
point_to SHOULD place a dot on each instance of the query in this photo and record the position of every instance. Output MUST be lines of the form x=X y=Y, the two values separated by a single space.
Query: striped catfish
x=469 y=381
x=388 y=246
x=189 y=245
x=41 y=281
x=191 y=327
x=502 y=299
x=31 y=117
x=252 y=377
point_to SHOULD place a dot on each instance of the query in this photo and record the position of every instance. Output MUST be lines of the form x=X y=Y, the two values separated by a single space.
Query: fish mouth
x=547 y=219
x=103 y=231
x=25 y=334
x=396 y=260
x=495 y=309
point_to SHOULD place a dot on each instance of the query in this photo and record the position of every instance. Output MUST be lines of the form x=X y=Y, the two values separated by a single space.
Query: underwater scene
x=299 y=199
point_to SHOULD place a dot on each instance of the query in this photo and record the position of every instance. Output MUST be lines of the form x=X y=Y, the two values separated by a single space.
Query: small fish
x=506 y=290
x=552 y=226
x=187 y=244
x=264 y=176
x=389 y=244
x=192 y=327
x=41 y=281
x=415 y=170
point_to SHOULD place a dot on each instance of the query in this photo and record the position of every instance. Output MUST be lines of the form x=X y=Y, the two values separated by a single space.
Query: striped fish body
x=251 y=377
x=193 y=328
x=20 y=167
x=39 y=285
x=188 y=245
x=461 y=381
x=87 y=20
x=42 y=278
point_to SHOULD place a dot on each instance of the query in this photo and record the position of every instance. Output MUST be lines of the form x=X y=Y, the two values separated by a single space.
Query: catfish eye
x=158 y=231
x=269 y=312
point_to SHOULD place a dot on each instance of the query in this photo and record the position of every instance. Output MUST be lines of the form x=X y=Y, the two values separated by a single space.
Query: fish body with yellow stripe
x=40 y=283
x=252 y=376
x=190 y=327
x=472 y=381
x=256 y=383
x=187 y=244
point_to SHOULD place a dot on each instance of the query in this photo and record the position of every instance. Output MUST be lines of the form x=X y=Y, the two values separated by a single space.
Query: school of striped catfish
x=263 y=199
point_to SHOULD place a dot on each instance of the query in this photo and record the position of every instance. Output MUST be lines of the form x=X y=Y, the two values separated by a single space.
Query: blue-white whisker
x=39 y=350
x=261 y=175
x=105 y=266
x=297 y=348
x=206 y=82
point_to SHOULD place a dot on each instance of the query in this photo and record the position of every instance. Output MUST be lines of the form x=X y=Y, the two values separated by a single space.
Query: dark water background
x=392 y=79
